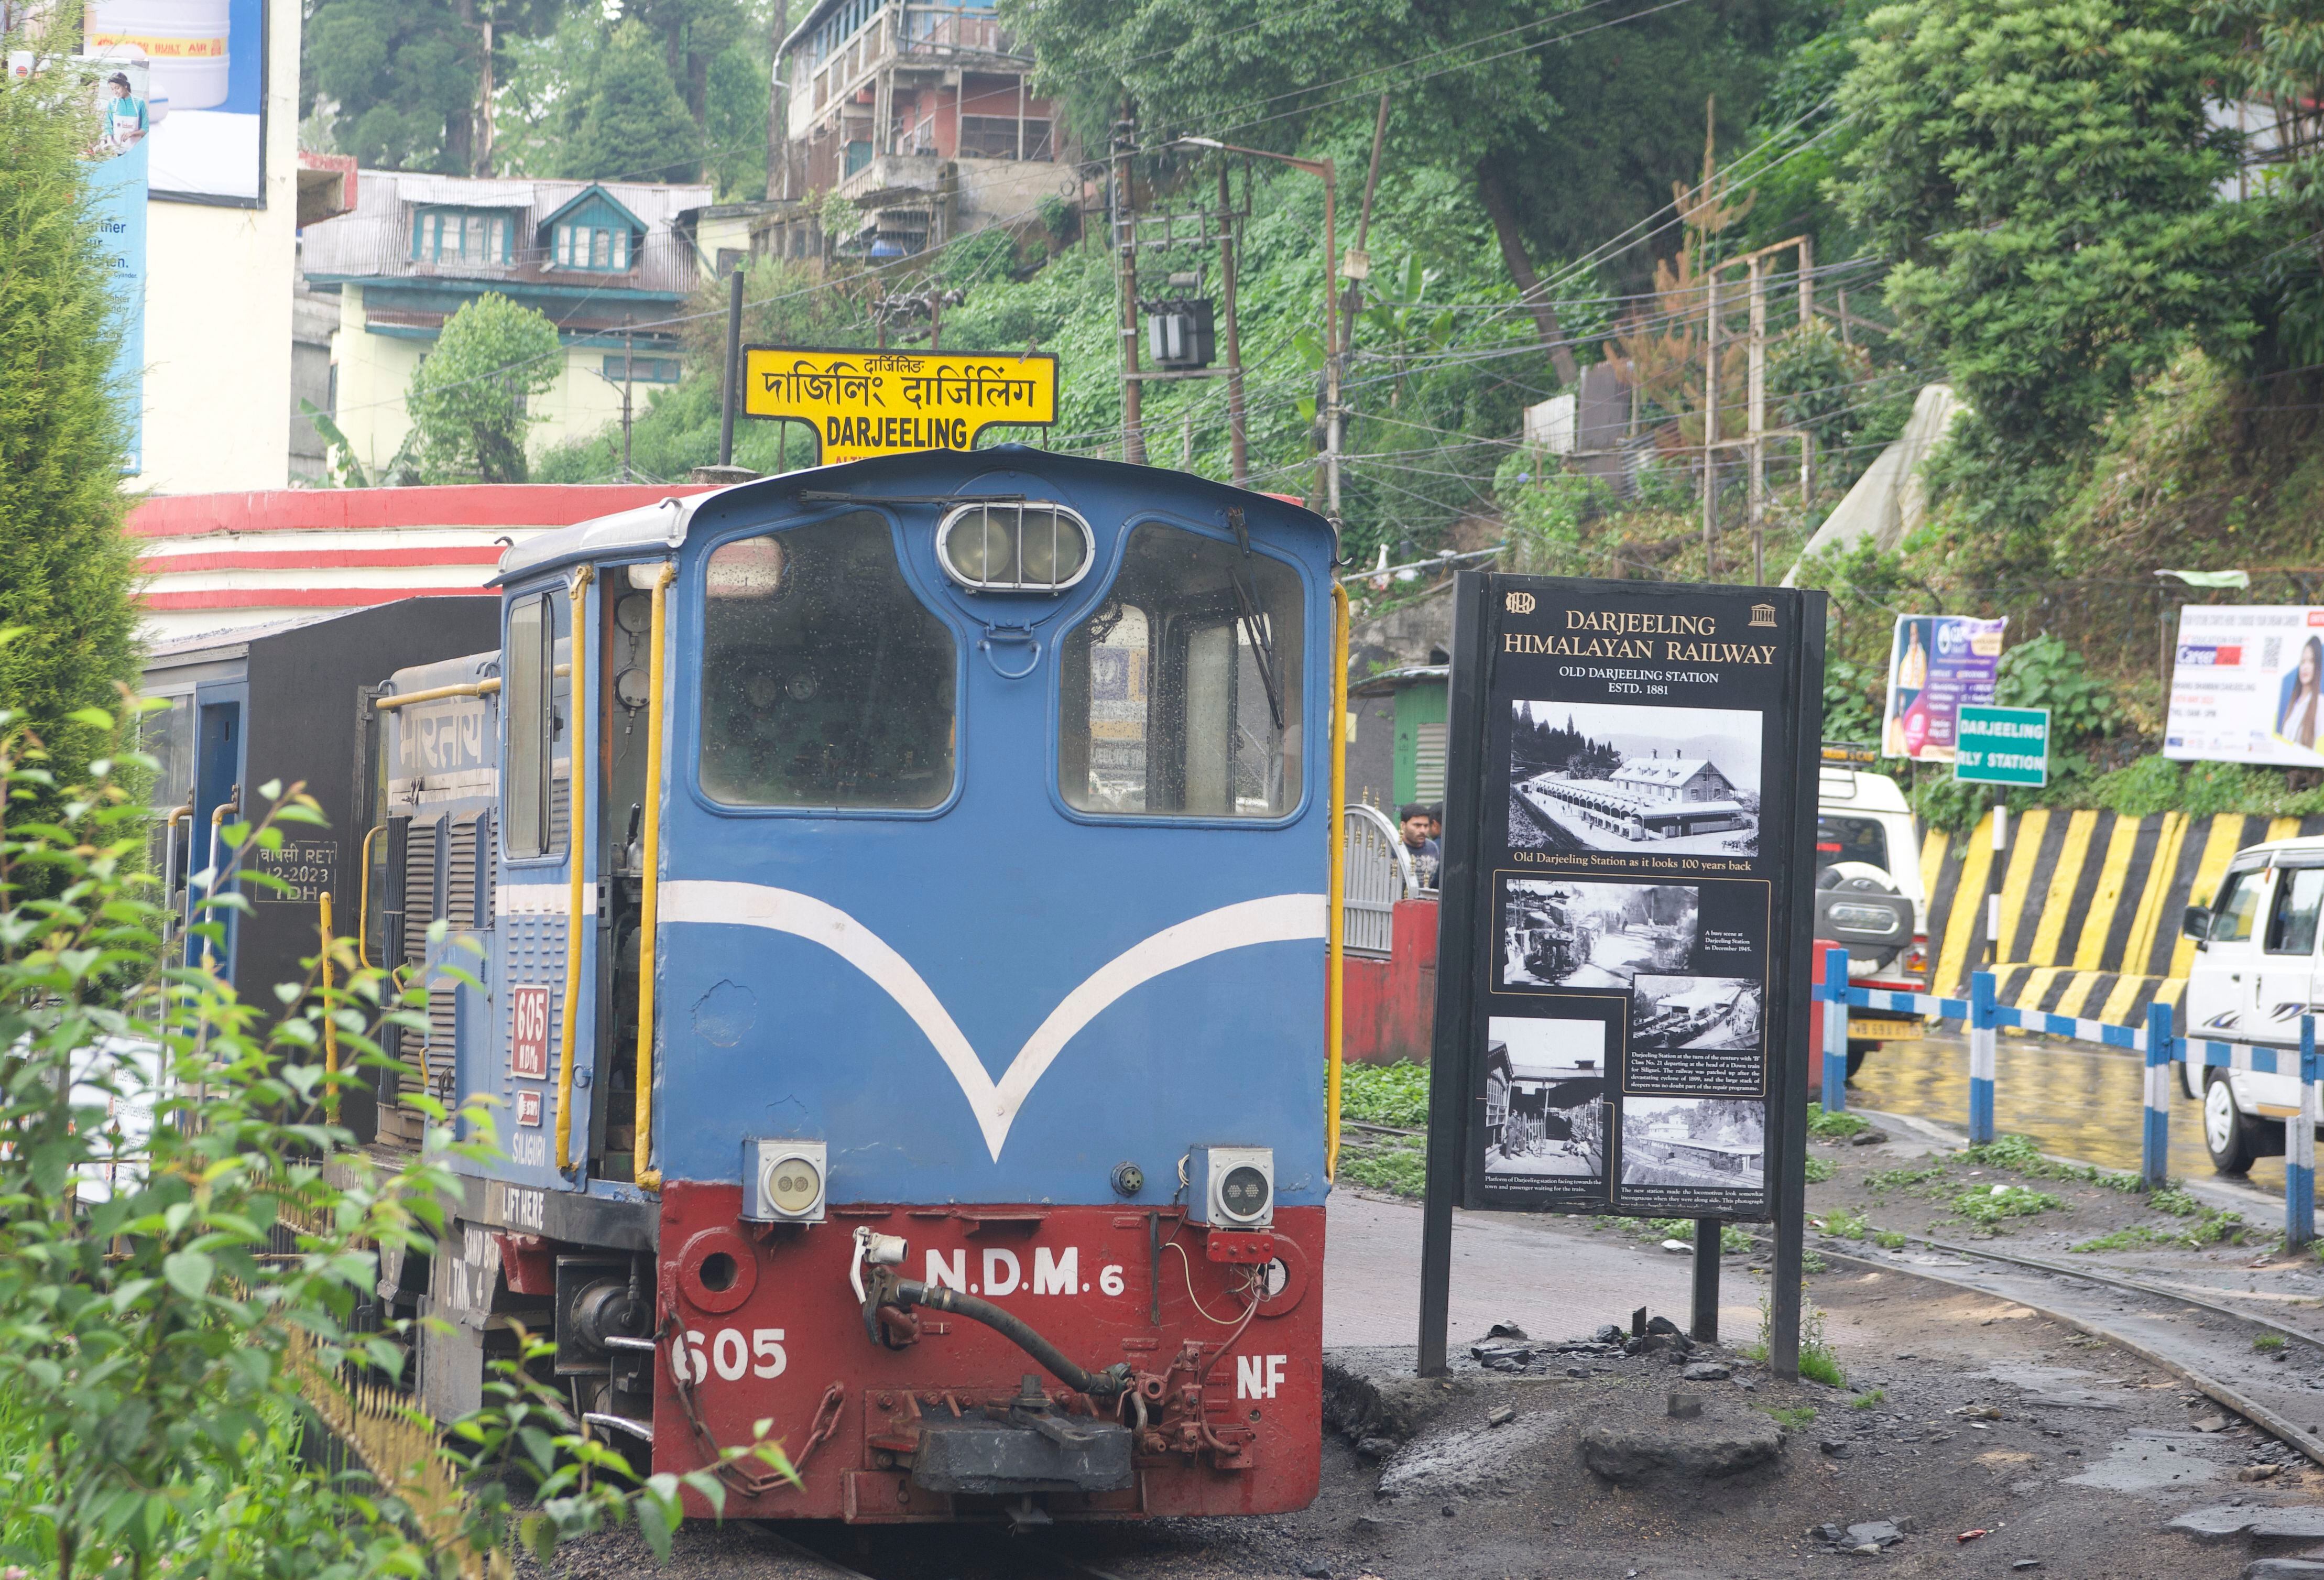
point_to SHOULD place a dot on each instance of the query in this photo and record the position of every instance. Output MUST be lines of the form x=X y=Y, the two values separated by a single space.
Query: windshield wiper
x=1248 y=613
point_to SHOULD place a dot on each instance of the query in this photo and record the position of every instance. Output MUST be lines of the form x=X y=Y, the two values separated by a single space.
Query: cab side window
x=2291 y=921
x=1180 y=696
x=536 y=704
x=2237 y=904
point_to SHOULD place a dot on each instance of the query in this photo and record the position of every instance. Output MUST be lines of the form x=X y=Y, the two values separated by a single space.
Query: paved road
x=2078 y=1099
x=1552 y=1276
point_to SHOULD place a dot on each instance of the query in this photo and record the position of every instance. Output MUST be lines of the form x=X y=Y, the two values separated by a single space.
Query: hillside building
x=921 y=115
x=609 y=262
x=1671 y=779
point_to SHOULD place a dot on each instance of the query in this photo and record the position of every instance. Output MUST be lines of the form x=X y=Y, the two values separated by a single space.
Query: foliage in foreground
x=188 y=1242
x=69 y=572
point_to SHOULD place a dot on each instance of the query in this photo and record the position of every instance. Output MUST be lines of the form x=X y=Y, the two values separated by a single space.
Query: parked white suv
x=1866 y=838
x=2256 y=974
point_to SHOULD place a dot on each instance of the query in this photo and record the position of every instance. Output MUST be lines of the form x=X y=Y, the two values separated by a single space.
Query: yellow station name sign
x=885 y=403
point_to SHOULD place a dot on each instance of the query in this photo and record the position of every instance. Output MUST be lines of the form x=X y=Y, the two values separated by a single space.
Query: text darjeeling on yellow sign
x=885 y=403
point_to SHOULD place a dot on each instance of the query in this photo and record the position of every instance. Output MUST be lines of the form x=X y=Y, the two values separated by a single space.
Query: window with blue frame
x=463 y=236
x=584 y=243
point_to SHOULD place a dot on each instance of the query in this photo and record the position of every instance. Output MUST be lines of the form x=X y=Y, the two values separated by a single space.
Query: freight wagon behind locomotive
x=888 y=905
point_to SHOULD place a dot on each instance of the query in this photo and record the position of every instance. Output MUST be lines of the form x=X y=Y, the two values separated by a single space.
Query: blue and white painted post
x=2154 y=1147
x=1982 y=1035
x=1835 y=1030
x=2300 y=1149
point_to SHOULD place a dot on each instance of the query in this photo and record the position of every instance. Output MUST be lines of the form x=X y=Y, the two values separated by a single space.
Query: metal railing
x=2157 y=1042
x=1379 y=873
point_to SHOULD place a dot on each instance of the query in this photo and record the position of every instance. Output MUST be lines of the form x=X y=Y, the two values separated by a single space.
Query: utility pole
x=779 y=115
x=484 y=101
x=1755 y=416
x=1238 y=441
x=1711 y=425
x=1125 y=237
x=629 y=371
x=732 y=395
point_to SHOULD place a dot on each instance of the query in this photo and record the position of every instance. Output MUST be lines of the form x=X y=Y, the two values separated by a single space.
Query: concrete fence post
x=1982 y=1033
x=2154 y=1144
x=2299 y=1148
x=1835 y=1030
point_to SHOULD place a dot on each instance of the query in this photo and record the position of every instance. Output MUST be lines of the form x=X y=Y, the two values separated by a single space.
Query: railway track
x=2210 y=1344
x=924 y=1553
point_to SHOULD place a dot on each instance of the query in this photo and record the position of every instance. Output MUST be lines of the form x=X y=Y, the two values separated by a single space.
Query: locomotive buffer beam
x=1029 y=1449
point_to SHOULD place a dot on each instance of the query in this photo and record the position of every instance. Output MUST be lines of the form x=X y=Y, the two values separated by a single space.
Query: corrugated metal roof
x=375 y=240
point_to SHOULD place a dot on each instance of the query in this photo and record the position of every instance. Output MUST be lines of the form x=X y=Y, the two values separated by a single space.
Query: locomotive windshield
x=825 y=682
x=1181 y=692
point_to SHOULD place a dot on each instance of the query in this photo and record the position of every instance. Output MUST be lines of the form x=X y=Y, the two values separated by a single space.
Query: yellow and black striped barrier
x=2091 y=904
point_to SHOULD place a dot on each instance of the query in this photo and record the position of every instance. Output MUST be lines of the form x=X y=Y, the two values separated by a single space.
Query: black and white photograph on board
x=1598 y=776
x=1582 y=932
x=1695 y=1146
x=1696 y=1036
x=1545 y=1092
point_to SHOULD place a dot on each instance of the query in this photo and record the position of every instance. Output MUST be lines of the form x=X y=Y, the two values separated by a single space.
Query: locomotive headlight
x=1232 y=1188
x=1013 y=548
x=783 y=1181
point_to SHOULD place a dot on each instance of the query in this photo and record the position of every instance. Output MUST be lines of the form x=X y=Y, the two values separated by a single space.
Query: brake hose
x=1109 y=1384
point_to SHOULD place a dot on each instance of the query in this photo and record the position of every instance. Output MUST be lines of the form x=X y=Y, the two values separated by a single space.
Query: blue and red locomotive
x=938 y=1066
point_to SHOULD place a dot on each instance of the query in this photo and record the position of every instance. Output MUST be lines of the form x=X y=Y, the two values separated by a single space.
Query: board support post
x=1708 y=1232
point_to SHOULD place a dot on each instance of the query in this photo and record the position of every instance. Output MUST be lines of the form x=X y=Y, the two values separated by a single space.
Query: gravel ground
x=1961 y=1412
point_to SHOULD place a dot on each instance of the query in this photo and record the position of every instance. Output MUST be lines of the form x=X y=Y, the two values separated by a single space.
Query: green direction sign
x=2002 y=745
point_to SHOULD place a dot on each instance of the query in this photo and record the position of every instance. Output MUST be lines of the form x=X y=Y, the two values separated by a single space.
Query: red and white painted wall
x=220 y=561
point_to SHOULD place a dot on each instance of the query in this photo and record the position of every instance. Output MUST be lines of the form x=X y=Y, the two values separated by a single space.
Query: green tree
x=403 y=80
x=467 y=400
x=66 y=569
x=1558 y=145
x=2043 y=174
x=627 y=121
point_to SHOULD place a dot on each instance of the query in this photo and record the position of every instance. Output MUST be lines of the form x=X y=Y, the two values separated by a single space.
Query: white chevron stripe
x=1278 y=919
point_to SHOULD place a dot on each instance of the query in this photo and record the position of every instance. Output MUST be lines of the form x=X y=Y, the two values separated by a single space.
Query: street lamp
x=1314 y=167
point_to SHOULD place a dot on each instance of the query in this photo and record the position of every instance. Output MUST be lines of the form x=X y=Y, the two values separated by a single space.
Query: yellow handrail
x=393 y=701
x=650 y=911
x=330 y=1026
x=362 y=901
x=575 y=842
x=1335 y=919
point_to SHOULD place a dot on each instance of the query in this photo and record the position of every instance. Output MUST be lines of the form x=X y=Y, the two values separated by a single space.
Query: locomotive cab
x=894 y=934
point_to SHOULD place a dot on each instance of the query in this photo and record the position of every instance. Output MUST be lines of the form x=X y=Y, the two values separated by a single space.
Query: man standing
x=1422 y=849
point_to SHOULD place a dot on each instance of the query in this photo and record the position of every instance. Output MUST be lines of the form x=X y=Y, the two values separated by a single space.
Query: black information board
x=1628 y=873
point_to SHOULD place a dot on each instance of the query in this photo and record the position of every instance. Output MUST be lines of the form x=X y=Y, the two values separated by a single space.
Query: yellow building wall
x=374 y=371
x=218 y=284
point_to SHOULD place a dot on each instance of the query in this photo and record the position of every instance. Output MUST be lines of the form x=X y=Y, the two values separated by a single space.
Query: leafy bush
x=1986 y=1206
x=177 y=1296
x=1834 y=1126
x=1819 y=1169
x=2046 y=673
x=1395 y=1166
x=1395 y=1094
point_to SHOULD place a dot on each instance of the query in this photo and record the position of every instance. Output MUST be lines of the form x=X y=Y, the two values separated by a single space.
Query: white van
x=2256 y=974
x=1864 y=827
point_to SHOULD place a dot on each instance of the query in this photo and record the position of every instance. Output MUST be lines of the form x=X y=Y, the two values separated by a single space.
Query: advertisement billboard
x=1937 y=664
x=204 y=108
x=2247 y=684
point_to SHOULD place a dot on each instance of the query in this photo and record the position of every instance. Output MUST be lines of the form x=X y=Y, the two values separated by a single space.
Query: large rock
x=1717 y=1444
x=1371 y=1394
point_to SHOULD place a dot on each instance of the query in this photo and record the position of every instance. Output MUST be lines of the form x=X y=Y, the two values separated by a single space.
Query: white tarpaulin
x=2245 y=686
